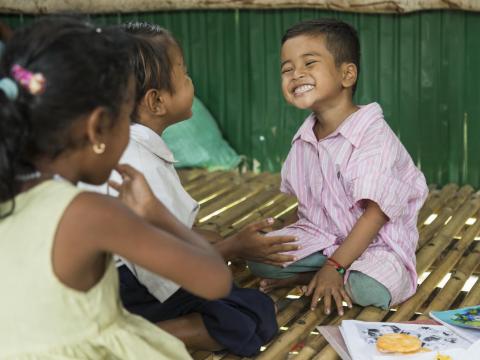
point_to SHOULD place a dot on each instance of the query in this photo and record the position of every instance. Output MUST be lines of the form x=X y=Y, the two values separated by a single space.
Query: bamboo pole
x=318 y=342
x=473 y=297
x=279 y=206
x=371 y=313
x=252 y=284
x=327 y=353
x=208 y=198
x=302 y=326
x=408 y=308
x=279 y=293
x=292 y=310
x=189 y=175
x=202 y=180
x=435 y=202
x=452 y=288
x=428 y=231
x=266 y=179
x=233 y=215
x=241 y=194
x=224 y=180
x=427 y=255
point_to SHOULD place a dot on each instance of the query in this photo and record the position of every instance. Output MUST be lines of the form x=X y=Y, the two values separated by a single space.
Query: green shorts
x=362 y=289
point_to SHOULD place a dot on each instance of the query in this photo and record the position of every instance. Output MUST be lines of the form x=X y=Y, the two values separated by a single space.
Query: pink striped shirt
x=362 y=159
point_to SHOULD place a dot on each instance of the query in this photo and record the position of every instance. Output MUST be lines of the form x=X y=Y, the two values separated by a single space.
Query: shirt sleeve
x=285 y=186
x=390 y=193
x=386 y=174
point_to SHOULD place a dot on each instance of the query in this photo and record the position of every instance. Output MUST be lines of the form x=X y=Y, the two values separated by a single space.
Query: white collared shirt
x=148 y=153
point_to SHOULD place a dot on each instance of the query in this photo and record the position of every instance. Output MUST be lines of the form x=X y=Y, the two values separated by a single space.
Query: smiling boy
x=358 y=189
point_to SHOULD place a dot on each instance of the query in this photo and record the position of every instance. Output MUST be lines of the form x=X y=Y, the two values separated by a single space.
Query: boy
x=359 y=191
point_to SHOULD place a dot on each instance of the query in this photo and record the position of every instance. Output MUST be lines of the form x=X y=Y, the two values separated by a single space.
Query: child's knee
x=366 y=291
x=267 y=271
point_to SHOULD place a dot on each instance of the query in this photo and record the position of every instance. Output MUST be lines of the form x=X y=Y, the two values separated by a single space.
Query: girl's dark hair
x=151 y=59
x=341 y=39
x=84 y=66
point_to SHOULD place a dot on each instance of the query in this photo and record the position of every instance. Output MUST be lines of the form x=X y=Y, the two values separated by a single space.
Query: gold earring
x=99 y=148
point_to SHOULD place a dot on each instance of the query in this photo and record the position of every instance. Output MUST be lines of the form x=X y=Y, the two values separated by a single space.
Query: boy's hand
x=328 y=283
x=253 y=246
x=135 y=192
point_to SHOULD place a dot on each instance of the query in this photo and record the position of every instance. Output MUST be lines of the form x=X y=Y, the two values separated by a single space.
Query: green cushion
x=197 y=142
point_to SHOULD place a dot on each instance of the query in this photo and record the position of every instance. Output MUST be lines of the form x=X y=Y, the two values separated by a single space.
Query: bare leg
x=192 y=331
x=267 y=285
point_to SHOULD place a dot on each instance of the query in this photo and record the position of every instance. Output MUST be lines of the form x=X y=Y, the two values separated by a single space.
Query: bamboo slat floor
x=448 y=256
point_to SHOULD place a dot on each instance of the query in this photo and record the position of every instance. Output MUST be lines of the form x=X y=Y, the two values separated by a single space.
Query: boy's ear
x=96 y=126
x=155 y=102
x=349 y=74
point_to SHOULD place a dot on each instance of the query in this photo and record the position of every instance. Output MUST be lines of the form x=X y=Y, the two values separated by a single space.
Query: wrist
x=228 y=248
x=337 y=266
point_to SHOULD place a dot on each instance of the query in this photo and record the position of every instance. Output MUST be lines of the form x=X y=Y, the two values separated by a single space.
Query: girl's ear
x=96 y=126
x=349 y=74
x=155 y=102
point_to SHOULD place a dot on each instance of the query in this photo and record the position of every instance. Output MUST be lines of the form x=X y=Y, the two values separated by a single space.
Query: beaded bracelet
x=340 y=269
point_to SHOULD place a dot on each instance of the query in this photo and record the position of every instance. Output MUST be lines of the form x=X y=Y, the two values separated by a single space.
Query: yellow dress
x=40 y=317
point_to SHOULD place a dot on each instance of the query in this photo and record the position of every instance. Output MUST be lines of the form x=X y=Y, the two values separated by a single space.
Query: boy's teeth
x=302 y=89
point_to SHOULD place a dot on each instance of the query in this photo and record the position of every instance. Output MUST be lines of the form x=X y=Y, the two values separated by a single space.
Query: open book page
x=361 y=337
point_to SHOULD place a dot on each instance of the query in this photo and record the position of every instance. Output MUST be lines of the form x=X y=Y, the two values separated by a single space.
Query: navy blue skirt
x=242 y=322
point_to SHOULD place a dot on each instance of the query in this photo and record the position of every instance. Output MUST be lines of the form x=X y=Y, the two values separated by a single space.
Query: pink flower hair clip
x=34 y=83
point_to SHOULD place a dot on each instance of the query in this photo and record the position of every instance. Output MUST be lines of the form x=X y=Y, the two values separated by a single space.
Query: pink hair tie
x=34 y=83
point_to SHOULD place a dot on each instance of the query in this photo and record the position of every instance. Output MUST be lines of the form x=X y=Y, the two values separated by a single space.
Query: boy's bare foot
x=267 y=285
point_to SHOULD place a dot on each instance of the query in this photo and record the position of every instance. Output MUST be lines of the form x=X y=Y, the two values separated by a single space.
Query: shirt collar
x=352 y=128
x=151 y=141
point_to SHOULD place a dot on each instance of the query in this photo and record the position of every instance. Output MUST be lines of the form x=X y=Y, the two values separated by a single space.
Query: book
x=465 y=321
x=360 y=337
x=334 y=337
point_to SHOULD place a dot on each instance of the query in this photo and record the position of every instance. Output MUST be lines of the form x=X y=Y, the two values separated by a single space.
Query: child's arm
x=95 y=224
x=327 y=282
x=250 y=244
x=137 y=195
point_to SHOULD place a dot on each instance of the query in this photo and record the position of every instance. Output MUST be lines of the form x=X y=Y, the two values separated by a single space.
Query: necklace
x=28 y=177
x=37 y=175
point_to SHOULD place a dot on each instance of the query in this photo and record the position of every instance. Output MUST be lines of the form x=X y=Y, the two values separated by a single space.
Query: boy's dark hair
x=151 y=59
x=84 y=67
x=341 y=39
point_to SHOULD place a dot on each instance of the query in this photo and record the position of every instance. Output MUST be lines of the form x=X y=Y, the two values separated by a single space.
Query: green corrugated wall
x=423 y=68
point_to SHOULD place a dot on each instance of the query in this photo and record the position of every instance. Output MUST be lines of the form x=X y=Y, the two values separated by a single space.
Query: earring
x=99 y=148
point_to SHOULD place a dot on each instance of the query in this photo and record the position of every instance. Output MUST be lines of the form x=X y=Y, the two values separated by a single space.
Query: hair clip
x=34 y=83
x=10 y=88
